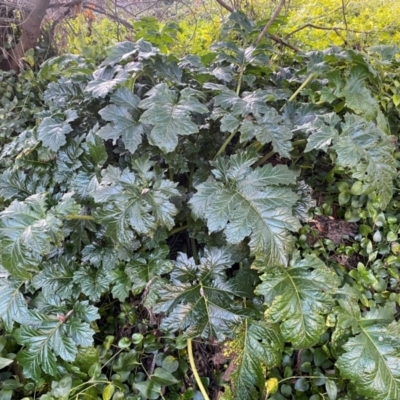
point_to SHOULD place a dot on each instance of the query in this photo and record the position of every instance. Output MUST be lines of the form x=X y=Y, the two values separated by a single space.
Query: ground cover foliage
x=226 y=208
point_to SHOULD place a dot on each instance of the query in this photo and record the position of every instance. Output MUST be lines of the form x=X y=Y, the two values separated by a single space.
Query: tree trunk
x=33 y=14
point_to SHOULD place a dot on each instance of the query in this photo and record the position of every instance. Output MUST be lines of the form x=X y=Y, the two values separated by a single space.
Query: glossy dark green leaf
x=298 y=297
x=270 y=128
x=13 y=307
x=258 y=345
x=200 y=299
x=123 y=116
x=170 y=115
x=163 y=377
x=143 y=270
x=149 y=389
x=105 y=79
x=52 y=132
x=371 y=357
x=249 y=203
x=135 y=203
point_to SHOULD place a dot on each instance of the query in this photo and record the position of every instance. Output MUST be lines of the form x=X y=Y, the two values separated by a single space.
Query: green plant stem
x=227 y=141
x=302 y=86
x=194 y=370
x=240 y=80
x=265 y=158
x=194 y=250
x=178 y=229
x=299 y=142
x=307 y=377
x=77 y=216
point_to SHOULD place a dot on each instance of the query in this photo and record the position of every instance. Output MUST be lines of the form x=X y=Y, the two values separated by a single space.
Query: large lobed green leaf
x=29 y=230
x=245 y=202
x=124 y=120
x=371 y=358
x=170 y=115
x=49 y=337
x=362 y=147
x=259 y=345
x=134 y=202
x=299 y=297
x=200 y=300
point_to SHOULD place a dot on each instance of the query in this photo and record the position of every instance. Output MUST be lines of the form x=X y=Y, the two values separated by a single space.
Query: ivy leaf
x=372 y=356
x=163 y=377
x=259 y=345
x=298 y=297
x=170 y=115
x=200 y=300
x=249 y=203
x=148 y=389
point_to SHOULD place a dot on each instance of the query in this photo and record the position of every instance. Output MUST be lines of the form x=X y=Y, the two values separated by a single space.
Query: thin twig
x=70 y=4
x=101 y=10
x=283 y=42
x=227 y=6
x=344 y=15
x=325 y=28
x=271 y=20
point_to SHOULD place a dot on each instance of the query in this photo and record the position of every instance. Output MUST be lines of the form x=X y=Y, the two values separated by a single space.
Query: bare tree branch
x=70 y=4
x=283 y=42
x=101 y=10
x=271 y=20
x=226 y=6
x=325 y=28
x=344 y=15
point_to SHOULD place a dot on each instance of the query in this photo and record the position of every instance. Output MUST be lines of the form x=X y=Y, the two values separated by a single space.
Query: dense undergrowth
x=225 y=214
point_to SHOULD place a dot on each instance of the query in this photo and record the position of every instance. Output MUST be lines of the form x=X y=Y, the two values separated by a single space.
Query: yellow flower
x=271 y=385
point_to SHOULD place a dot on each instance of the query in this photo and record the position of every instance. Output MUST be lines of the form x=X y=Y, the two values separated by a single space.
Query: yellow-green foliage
x=377 y=19
x=360 y=23
x=196 y=37
x=90 y=38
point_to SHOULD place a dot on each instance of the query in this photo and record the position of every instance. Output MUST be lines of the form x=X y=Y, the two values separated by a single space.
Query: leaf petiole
x=194 y=370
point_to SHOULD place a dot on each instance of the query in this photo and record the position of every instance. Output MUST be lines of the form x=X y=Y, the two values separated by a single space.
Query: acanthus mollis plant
x=176 y=187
